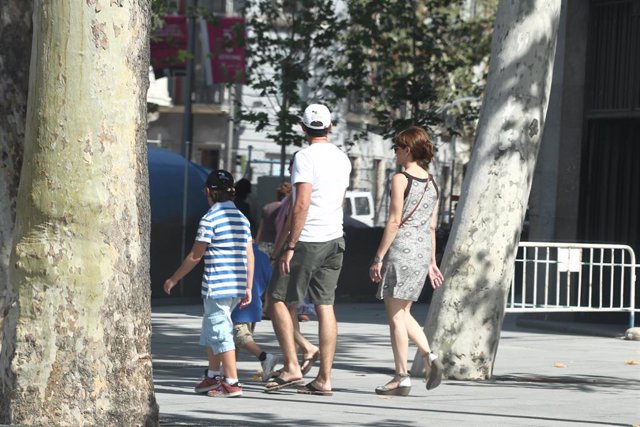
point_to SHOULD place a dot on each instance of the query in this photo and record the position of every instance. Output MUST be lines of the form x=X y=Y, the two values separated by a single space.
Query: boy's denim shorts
x=217 y=327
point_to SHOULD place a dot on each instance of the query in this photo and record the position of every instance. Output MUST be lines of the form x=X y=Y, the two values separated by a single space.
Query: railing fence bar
x=613 y=256
x=563 y=259
x=546 y=279
x=601 y=274
x=535 y=276
x=524 y=277
x=590 y=276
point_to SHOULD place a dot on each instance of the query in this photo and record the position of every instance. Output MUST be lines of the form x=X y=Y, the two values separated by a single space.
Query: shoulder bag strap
x=406 y=218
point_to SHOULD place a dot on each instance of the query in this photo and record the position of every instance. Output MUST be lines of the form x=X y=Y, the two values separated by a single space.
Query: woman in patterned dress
x=406 y=255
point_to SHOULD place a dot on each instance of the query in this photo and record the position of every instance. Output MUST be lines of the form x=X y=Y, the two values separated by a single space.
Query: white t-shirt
x=327 y=169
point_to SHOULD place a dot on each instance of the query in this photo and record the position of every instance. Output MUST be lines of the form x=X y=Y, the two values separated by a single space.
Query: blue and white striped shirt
x=227 y=233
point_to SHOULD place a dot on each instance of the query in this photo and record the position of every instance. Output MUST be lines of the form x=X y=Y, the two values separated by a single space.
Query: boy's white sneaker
x=268 y=364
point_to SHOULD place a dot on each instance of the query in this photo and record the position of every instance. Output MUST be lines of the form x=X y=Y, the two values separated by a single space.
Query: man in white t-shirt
x=312 y=258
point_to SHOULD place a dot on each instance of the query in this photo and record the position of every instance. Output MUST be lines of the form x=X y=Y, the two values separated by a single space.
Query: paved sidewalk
x=540 y=379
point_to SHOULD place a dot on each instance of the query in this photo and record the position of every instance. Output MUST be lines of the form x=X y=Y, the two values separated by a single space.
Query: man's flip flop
x=311 y=389
x=280 y=384
x=274 y=374
x=307 y=364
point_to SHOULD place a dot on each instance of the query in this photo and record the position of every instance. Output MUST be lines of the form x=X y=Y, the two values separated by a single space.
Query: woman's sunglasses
x=396 y=147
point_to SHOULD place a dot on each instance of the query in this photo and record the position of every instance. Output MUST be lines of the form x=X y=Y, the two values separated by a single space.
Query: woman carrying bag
x=406 y=255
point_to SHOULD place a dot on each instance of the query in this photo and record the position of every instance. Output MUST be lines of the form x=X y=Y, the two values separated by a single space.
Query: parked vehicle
x=359 y=206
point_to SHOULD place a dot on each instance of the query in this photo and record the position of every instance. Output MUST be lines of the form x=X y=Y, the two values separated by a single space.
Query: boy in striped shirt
x=224 y=241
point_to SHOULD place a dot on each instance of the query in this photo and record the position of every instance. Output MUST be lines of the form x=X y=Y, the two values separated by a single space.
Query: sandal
x=275 y=374
x=311 y=389
x=307 y=364
x=402 y=389
x=279 y=384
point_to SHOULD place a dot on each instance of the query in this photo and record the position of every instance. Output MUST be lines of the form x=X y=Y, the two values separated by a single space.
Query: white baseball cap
x=316 y=116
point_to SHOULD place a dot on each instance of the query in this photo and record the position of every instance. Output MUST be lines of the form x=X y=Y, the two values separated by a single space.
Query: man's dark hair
x=315 y=133
x=243 y=187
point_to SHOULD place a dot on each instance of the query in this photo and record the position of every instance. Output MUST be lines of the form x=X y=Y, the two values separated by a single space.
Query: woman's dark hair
x=418 y=141
x=315 y=133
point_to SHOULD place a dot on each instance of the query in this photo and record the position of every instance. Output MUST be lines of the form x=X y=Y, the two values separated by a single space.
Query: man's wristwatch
x=290 y=248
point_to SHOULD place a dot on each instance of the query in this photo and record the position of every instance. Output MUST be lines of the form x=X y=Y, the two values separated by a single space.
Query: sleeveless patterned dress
x=406 y=264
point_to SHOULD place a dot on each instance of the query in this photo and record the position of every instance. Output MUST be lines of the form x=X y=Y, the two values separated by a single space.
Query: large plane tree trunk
x=77 y=343
x=15 y=43
x=466 y=314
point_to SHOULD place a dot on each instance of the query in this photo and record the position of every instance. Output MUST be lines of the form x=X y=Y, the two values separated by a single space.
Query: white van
x=359 y=206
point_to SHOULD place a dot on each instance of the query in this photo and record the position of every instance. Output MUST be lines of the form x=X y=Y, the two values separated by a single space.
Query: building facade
x=586 y=186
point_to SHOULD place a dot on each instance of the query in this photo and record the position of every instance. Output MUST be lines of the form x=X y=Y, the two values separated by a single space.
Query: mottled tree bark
x=466 y=314
x=80 y=264
x=15 y=43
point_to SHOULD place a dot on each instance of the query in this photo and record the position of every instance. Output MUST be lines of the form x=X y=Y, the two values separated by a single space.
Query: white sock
x=231 y=381
x=432 y=357
x=212 y=374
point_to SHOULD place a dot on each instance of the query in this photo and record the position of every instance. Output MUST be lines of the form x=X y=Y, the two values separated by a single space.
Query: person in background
x=245 y=318
x=282 y=228
x=223 y=239
x=304 y=310
x=406 y=256
x=244 y=203
x=266 y=236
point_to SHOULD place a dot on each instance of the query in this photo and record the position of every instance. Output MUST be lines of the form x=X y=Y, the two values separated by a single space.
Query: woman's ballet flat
x=434 y=377
x=400 y=390
x=397 y=391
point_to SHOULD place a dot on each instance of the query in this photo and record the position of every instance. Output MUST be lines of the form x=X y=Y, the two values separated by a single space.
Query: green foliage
x=291 y=50
x=404 y=59
x=160 y=9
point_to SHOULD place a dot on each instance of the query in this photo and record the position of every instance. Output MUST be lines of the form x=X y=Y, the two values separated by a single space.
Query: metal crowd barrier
x=573 y=277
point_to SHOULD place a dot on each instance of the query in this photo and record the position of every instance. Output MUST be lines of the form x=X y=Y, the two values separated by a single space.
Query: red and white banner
x=223 y=42
x=227 y=50
x=169 y=44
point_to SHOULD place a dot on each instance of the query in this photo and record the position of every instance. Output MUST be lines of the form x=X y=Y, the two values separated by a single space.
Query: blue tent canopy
x=166 y=186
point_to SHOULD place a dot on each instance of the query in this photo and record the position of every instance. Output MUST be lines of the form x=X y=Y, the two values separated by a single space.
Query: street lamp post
x=187 y=125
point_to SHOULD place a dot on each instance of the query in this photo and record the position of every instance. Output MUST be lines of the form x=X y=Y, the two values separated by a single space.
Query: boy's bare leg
x=214 y=360
x=228 y=359
x=253 y=348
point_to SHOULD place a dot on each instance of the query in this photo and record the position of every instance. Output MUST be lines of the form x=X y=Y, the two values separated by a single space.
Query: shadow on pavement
x=213 y=417
x=586 y=383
